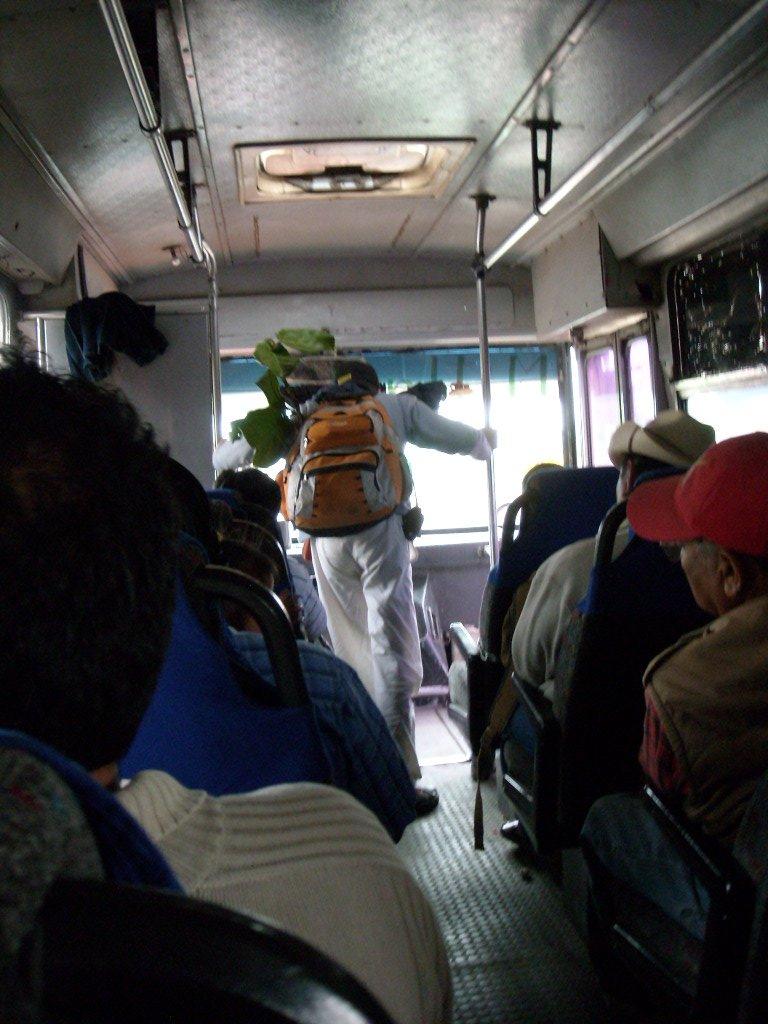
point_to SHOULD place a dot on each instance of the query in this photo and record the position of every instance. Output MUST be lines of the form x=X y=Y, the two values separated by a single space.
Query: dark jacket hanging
x=97 y=328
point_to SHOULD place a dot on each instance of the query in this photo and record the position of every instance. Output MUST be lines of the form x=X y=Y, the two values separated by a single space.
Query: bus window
x=451 y=491
x=603 y=409
x=738 y=408
x=640 y=376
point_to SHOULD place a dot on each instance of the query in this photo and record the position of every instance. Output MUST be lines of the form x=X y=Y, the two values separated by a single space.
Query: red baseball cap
x=723 y=498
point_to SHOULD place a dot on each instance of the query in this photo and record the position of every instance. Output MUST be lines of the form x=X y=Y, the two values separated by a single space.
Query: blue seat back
x=637 y=605
x=559 y=507
x=203 y=730
x=127 y=853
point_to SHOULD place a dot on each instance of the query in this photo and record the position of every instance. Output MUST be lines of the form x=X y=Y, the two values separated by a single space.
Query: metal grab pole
x=148 y=120
x=481 y=202
x=214 y=352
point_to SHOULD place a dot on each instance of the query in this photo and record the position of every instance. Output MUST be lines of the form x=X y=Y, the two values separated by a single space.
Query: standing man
x=364 y=574
x=365 y=583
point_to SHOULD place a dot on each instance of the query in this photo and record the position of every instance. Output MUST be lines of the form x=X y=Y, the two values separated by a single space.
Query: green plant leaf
x=270 y=433
x=307 y=341
x=270 y=385
x=235 y=430
x=275 y=357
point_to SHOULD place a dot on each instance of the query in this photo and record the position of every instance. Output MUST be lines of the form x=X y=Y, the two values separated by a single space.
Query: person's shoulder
x=683 y=664
x=317 y=660
x=326 y=818
x=567 y=560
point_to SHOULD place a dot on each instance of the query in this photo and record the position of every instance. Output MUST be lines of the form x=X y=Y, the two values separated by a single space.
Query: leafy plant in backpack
x=272 y=431
x=344 y=471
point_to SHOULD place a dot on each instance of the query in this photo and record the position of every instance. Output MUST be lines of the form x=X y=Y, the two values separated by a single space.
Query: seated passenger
x=363 y=756
x=236 y=554
x=89 y=571
x=670 y=439
x=706 y=728
x=705 y=743
x=257 y=488
x=44 y=836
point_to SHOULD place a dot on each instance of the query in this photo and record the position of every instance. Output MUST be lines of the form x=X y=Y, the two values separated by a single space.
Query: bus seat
x=751 y=851
x=215 y=725
x=126 y=852
x=637 y=605
x=103 y=952
x=565 y=505
x=639 y=948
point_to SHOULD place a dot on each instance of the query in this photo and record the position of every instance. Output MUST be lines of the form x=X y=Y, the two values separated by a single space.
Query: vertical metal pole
x=481 y=202
x=42 y=345
x=566 y=385
x=214 y=352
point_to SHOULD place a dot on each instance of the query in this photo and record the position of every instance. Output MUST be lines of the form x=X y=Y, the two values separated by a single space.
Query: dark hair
x=540 y=467
x=87 y=550
x=644 y=464
x=253 y=486
x=237 y=554
x=431 y=393
x=221 y=517
x=193 y=509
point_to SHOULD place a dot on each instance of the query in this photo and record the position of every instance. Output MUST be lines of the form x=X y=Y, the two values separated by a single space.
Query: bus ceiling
x=442 y=101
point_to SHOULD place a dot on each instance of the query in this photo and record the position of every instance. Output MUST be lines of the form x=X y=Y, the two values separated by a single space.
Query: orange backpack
x=344 y=473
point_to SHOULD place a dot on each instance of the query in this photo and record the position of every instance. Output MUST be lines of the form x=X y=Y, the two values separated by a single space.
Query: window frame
x=620 y=342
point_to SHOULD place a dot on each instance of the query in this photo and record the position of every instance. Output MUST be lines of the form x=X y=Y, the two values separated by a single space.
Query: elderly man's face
x=701 y=565
x=719 y=579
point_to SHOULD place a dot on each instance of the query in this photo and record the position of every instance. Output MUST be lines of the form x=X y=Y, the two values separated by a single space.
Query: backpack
x=344 y=473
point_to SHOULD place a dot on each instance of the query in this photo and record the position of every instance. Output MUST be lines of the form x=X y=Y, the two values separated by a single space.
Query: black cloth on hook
x=97 y=328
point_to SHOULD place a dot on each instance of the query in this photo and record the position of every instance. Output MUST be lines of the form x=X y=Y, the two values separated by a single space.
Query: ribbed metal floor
x=515 y=955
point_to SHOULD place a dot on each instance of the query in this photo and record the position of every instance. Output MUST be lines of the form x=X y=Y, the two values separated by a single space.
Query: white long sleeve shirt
x=413 y=422
x=557 y=586
x=319 y=864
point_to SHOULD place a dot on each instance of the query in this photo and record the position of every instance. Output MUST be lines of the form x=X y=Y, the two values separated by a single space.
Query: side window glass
x=640 y=377
x=602 y=402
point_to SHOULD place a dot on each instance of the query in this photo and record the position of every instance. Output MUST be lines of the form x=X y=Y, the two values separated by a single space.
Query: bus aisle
x=515 y=956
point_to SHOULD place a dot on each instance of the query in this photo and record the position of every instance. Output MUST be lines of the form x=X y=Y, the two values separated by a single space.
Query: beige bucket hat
x=672 y=437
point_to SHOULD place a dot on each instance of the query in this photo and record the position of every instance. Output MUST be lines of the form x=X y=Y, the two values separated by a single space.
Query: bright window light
x=641 y=380
x=603 y=396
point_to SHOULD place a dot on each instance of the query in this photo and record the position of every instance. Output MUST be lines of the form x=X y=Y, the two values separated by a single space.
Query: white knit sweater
x=316 y=862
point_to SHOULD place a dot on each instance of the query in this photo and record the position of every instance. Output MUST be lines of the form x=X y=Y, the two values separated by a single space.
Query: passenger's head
x=716 y=516
x=221 y=517
x=431 y=393
x=253 y=486
x=193 y=509
x=88 y=564
x=533 y=472
x=246 y=558
x=671 y=439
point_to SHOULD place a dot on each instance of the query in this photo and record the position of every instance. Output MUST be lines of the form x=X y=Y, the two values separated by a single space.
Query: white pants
x=364 y=580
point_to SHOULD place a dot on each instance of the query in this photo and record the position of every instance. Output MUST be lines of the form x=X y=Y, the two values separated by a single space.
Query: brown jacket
x=710 y=691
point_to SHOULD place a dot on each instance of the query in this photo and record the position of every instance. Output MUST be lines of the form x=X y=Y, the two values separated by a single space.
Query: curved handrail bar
x=510 y=517
x=606 y=535
x=231 y=585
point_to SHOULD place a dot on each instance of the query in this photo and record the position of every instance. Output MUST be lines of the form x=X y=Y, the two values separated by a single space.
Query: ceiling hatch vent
x=345 y=169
